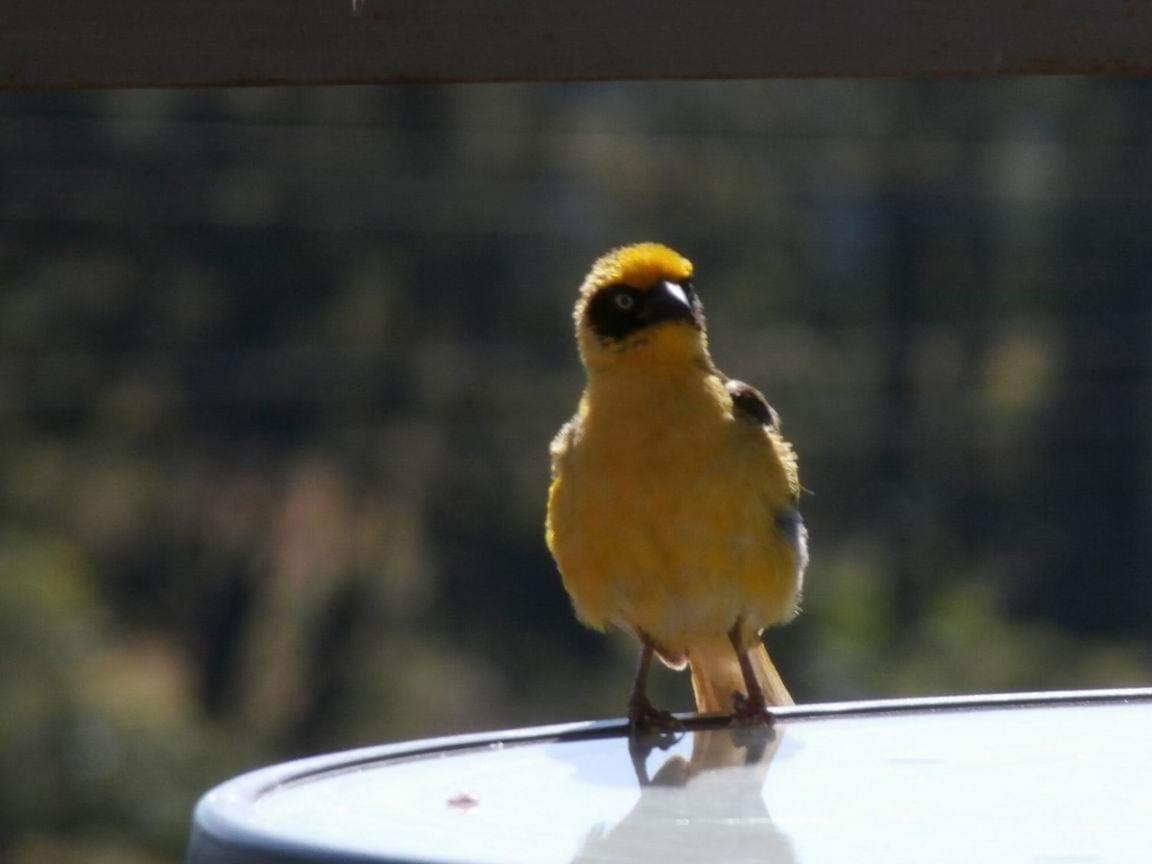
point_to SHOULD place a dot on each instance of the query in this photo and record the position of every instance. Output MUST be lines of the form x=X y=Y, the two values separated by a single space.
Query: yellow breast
x=663 y=511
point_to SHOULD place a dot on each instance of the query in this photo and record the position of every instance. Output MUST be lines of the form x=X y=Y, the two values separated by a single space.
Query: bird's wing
x=750 y=404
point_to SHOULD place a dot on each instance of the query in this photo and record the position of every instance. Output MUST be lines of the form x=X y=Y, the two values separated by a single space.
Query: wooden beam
x=128 y=43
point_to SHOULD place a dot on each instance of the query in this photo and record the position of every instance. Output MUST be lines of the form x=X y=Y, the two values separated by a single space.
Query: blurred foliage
x=279 y=368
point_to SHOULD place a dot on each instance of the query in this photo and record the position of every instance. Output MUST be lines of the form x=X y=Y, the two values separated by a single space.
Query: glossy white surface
x=1059 y=785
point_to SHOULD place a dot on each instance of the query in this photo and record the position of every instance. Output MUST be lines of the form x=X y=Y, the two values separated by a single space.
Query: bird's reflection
x=708 y=807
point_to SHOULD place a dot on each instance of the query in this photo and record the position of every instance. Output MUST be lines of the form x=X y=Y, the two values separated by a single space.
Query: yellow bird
x=673 y=512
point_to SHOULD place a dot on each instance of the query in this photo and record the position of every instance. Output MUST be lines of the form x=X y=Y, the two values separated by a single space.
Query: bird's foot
x=649 y=729
x=751 y=711
x=643 y=716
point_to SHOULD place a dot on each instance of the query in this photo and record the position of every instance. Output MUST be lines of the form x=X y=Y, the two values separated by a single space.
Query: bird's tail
x=716 y=675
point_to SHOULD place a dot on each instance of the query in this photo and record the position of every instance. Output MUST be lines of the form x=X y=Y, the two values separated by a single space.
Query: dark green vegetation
x=279 y=369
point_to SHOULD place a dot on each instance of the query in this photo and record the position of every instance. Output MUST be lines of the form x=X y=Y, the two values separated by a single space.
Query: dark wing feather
x=749 y=402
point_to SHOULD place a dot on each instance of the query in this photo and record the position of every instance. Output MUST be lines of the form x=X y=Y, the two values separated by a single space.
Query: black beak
x=668 y=302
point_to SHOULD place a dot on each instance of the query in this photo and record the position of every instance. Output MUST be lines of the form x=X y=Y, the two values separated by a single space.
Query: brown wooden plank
x=112 y=43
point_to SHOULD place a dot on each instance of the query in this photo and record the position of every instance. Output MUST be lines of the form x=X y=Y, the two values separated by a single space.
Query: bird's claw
x=751 y=711
x=649 y=729
x=643 y=716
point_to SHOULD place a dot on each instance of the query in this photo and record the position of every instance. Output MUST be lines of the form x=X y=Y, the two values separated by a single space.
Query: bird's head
x=637 y=306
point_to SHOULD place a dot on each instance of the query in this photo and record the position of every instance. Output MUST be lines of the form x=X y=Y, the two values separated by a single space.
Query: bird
x=673 y=509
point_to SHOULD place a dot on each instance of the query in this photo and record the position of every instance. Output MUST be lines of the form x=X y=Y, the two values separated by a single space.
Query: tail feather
x=716 y=676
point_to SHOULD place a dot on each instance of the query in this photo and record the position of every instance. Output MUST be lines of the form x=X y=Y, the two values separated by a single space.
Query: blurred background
x=279 y=369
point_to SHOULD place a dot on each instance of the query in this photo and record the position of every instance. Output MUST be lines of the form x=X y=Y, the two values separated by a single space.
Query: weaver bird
x=673 y=512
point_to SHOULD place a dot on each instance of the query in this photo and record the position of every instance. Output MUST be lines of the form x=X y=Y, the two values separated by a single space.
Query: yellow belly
x=672 y=529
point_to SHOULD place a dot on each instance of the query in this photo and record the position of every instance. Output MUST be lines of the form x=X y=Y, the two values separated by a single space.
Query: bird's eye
x=624 y=302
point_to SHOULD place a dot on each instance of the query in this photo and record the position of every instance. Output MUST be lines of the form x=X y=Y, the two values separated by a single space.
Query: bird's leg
x=752 y=708
x=642 y=714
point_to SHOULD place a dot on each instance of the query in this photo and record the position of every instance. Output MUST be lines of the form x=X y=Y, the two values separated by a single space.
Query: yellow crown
x=639 y=266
